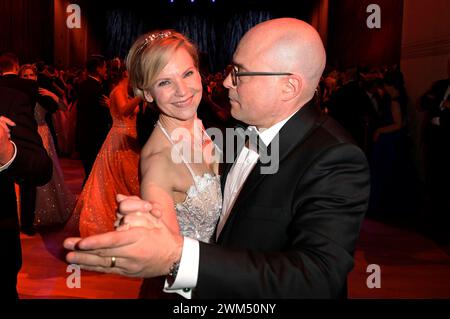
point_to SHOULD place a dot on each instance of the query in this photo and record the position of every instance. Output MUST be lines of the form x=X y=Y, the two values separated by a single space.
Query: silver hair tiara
x=154 y=36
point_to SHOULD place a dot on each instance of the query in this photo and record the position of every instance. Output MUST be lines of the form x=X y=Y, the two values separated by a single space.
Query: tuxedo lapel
x=296 y=130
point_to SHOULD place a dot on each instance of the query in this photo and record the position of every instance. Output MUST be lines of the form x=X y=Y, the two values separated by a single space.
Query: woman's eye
x=163 y=83
x=189 y=73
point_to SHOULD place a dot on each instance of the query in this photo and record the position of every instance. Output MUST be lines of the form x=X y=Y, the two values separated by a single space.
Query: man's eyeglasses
x=235 y=74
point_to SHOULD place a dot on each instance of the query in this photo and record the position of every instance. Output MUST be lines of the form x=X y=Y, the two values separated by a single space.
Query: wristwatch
x=173 y=271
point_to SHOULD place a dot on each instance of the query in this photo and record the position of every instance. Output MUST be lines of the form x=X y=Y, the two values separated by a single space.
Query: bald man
x=290 y=233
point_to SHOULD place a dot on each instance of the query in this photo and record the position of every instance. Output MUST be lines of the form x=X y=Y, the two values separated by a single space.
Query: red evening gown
x=115 y=171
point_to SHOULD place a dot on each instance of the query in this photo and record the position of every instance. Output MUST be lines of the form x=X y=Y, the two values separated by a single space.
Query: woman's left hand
x=45 y=92
x=135 y=212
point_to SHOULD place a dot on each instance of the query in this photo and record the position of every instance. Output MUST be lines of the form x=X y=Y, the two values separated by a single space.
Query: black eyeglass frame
x=235 y=74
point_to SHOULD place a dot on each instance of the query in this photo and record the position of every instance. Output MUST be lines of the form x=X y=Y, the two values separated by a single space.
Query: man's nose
x=227 y=82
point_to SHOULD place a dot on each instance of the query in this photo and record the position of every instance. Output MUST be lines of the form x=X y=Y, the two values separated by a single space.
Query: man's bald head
x=277 y=67
x=288 y=45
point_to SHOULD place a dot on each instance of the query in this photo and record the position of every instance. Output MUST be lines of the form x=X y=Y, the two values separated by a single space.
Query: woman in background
x=116 y=167
x=391 y=168
x=54 y=201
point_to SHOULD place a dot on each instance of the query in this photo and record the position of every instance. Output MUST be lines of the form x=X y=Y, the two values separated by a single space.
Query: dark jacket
x=292 y=234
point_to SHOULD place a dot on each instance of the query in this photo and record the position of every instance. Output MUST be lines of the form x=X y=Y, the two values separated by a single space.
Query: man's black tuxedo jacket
x=32 y=165
x=352 y=108
x=93 y=119
x=27 y=87
x=292 y=234
x=30 y=88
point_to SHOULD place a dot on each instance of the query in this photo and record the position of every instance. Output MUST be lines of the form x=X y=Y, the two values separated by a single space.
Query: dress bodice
x=199 y=213
x=120 y=119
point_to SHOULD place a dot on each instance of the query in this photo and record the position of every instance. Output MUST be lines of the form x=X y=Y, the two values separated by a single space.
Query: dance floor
x=411 y=264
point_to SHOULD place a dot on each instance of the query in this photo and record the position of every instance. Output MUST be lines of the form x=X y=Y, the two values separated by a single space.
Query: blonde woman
x=177 y=168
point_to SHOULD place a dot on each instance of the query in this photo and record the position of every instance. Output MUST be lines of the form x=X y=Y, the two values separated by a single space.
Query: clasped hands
x=141 y=246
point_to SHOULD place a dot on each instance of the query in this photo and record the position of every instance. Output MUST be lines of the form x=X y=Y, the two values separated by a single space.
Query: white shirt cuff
x=5 y=166
x=187 y=275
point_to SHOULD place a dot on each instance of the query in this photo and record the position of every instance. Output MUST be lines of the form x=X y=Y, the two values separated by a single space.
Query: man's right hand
x=6 y=147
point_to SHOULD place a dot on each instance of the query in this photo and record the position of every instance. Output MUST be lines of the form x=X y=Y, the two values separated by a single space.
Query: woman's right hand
x=6 y=148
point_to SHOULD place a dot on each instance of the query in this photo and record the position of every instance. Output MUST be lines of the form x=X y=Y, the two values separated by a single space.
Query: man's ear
x=292 y=88
x=148 y=96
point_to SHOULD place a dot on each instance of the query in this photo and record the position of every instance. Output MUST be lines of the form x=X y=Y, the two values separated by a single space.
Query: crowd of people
x=371 y=104
x=182 y=224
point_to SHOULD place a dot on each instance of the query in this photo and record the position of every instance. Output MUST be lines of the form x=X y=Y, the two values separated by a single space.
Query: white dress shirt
x=187 y=275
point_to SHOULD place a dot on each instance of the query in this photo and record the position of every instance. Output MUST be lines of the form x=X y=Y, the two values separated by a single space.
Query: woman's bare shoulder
x=156 y=154
x=155 y=144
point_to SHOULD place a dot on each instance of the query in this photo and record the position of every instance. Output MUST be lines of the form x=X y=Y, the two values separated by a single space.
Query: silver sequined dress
x=199 y=213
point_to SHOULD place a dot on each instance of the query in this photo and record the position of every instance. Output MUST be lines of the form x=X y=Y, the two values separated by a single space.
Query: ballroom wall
x=110 y=27
x=70 y=44
x=425 y=56
x=26 y=28
x=350 y=41
x=37 y=29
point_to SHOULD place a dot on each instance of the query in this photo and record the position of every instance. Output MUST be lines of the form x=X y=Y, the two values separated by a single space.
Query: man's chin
x=235 y=113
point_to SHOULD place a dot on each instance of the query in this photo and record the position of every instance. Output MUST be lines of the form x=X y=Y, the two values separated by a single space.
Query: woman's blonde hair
x=27 y=67
x=150 y=53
